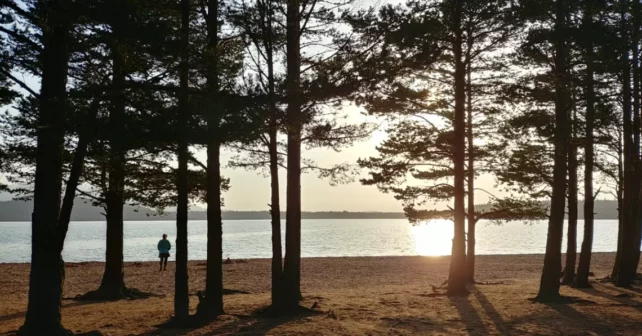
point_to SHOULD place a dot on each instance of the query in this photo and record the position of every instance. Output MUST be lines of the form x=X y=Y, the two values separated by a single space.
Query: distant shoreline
x=19 y=211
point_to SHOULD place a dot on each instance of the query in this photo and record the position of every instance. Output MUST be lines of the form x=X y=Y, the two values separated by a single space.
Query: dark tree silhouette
x=571 y=245
x=113 y=282
x=47 y=268
x=457 y=273
x=586 y=41
x=636 y=213
x=181 y=289
x=292 y=260
x=625 y=257
x=550 y=283
x=85 y=136
x=212 y=303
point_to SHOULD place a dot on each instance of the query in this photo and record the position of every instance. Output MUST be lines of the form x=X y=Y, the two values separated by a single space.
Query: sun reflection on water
x=433 y=238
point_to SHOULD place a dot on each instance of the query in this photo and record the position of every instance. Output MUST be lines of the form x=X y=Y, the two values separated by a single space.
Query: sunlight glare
x=433 y=238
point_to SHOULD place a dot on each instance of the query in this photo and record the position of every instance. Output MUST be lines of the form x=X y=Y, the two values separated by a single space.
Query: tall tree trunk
x=113 y=282
x=472 y=222
x=583 y=269
x=47 y=272
x=292 y=264
x=457 y=274
x=86 y=134
x=212 y=304
x=620 y=204
x=181 y=287
x=550 y=281
x=275 y=212
x=273 y=131
x=623 y=274
x=571 y=245
x=635 y=202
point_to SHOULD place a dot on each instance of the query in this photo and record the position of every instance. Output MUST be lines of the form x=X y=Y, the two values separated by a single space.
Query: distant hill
x=604 y=209
x=18 y=211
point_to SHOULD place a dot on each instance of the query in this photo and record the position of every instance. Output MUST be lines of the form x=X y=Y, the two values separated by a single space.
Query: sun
x=433 y=238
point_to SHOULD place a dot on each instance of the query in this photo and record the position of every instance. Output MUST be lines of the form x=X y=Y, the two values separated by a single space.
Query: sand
x=355 y=296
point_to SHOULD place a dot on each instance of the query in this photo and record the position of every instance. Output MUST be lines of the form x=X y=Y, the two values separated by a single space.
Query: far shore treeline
x=20 y=211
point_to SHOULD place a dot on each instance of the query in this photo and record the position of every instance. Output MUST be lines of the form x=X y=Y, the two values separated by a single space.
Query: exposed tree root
x=108 y=294
x=233 y=291
x=566 y=281
x=204 y=313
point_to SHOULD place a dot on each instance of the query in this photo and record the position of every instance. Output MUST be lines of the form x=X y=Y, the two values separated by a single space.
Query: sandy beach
x=355 y=296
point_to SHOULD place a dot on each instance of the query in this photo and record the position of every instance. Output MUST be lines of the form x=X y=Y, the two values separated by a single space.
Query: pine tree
x=549 y=285
x=419 y=145
x=292 y=260
x=181 y=290
x=581 y=277
x=47 y=272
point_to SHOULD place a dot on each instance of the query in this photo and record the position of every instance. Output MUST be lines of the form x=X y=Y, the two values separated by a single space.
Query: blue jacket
x=164 y=246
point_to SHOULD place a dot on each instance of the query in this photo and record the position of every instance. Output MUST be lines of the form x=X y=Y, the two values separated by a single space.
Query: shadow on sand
x=491 y=311
x=472 y=318
x=469 y=315
x=255 y=324
x=22 y=314
x=589 y=323
x=623 y=298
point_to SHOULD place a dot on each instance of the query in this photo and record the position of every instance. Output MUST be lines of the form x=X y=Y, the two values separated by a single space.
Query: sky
x=251 y=191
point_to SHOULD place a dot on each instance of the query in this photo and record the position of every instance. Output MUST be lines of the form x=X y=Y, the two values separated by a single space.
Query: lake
x=320 y=238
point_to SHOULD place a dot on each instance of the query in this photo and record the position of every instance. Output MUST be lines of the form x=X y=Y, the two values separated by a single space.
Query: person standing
x=163 y=252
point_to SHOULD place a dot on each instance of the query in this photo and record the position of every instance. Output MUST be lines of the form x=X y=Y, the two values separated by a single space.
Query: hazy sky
x=251 y=191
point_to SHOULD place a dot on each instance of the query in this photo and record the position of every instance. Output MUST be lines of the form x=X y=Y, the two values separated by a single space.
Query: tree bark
x=583 y=269
x=86 y=134
x=457 y=273
x=212 y=304
x=550 y=281
x=47 y=274
x=472 y=222
x=635 y=202
x=292 y=264
x=571 y=239
x=625 y=258
x=275 y=200
x=113 y=282
x=620 y=204
x=181 y=288
x=275 y=212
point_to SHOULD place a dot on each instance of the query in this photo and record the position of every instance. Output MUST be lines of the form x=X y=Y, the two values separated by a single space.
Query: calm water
x=320 y=238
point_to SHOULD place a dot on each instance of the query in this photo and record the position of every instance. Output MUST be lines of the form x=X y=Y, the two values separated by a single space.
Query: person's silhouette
x=163 y=252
